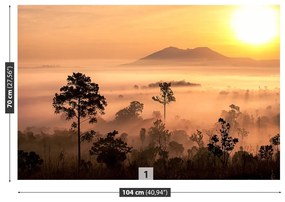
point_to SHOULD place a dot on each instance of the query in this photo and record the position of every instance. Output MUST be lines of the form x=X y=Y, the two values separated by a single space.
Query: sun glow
x=255 y=24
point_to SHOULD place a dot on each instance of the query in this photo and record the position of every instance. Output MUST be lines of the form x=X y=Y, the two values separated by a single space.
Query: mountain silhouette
x=176 y=53
x=203 y=56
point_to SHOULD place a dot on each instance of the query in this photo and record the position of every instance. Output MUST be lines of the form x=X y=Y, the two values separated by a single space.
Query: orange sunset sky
x=132 y=32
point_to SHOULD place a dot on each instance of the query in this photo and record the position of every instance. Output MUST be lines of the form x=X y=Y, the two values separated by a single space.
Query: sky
x=130 y=32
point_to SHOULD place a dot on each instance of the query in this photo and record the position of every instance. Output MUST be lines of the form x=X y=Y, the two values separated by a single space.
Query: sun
x=255 y=24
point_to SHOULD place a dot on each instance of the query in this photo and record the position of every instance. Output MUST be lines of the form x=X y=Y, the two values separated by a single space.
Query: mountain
x=170 y=53
x=203 y=56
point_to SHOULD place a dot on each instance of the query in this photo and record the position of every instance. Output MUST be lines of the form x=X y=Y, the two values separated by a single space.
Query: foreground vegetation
x=110 y=157
x=217 y=153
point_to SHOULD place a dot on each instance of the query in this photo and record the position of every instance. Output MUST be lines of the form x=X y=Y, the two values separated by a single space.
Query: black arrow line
x=175 y=192
x=67 y=192
x=9 y=147
x=227 y=192
x=9 y=113
x=9 y=33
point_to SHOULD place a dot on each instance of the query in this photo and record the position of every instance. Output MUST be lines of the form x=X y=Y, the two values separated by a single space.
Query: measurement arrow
x=173 y=192
x=67 y=192
x=227 y=192
x=7 y=93
x=9 y=147
x=9 y=33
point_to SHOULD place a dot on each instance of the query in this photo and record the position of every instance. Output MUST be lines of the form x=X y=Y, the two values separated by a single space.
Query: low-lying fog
x=255 y=90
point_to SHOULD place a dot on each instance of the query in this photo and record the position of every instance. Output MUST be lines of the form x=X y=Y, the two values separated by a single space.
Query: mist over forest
x=238 y=105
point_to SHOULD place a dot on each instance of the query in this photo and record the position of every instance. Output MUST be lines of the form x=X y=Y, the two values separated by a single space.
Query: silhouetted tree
x=198 y=137
x=78 y=99
x=110 y=150
x=242 y=133
x=28 y=161
x=231 y=116
x=214 y=147
x=166 y=96
x=266 y=152
x=159 y=137
x=276 y=141
x=132 y=112
x=223 y=146
x=87 y=136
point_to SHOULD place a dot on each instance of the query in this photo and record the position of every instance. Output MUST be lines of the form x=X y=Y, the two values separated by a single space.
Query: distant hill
x=170 y=53
x=203 y=56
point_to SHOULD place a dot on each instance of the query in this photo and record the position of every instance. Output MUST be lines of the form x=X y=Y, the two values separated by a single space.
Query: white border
x=9 y=191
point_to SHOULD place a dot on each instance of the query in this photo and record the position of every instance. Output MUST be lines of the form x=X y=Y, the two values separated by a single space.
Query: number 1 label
x=145 y=173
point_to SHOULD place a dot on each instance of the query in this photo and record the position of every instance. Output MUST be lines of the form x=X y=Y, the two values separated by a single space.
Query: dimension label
x=9 y=87
x=145 y=192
